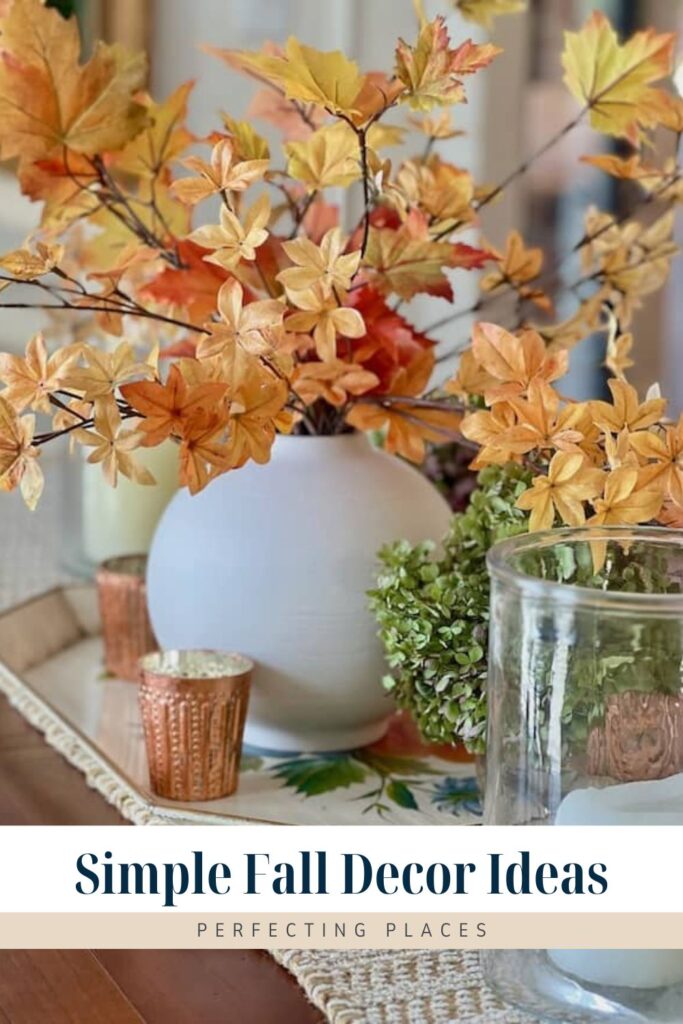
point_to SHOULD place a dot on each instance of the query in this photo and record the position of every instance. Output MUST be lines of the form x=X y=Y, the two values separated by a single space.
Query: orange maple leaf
x=168 y=407
x=409 y=425
x=518 y=267
x=514 y=361
x=333 y=381
x=192 y=287
x=203 y=452
x=50 y=102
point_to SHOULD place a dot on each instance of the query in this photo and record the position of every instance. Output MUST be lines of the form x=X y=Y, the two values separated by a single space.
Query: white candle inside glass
x=121 y=520
x=633 y=803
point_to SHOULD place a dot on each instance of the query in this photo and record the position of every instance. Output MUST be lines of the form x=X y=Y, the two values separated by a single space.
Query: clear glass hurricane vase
x=586 y=728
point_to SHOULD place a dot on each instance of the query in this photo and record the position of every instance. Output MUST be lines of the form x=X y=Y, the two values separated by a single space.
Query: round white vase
x=275 y=561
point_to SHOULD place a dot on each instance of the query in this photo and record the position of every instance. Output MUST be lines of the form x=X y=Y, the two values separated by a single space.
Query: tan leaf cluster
x=518 y=266
x=598 y=462
x=223 y=174
x=630 y=261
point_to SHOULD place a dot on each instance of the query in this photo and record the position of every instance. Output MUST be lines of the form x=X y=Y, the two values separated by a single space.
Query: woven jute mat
x=398 y=987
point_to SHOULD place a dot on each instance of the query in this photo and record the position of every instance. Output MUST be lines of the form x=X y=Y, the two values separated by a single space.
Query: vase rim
x=501 y=566
x=350 y=435
x=356 y=439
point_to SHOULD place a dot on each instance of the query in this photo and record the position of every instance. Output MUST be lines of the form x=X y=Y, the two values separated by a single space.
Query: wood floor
x=37 y=787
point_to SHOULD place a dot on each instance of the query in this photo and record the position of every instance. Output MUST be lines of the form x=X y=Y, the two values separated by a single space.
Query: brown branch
x=361 y=134
x=144 y=313
x=65 y=408
x=550 y=279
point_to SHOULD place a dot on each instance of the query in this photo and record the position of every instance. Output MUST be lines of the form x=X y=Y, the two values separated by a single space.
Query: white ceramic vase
x=275 y=561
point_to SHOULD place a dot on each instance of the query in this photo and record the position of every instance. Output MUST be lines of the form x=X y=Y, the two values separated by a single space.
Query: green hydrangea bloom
x=432 y=606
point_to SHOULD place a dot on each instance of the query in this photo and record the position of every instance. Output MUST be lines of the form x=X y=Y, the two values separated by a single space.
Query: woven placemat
x=398 y=987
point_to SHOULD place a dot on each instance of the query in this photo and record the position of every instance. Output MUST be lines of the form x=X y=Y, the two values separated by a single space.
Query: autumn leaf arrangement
x=543 y=463
x=213 y=293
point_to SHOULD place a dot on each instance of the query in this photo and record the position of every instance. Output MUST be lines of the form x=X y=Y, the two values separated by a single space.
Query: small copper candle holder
x=194 y=706
x=126 y=628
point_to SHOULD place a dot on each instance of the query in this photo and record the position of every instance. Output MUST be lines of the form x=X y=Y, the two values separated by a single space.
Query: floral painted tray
x=51 y=671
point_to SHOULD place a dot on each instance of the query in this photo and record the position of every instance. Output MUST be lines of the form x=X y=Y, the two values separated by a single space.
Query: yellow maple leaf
x=628 y=259
x=482 y=12
x=436 y=126
x=18 y=457
x=618 y=450
x=666 y=451
x=233 y=239
x=104 y=371
x=222 y=174
x=470 y=379
x=664 y=183
x=571 y=481
x=24 y=265
x=432 y=72
x=627 y=411
x=50 y=102
x=326 y=158
x=567 y=333
x=327 y=264
x=325 y=318
x=625 y=500
x=442 y=191
x=327 y=79
x=241 y=326
x=489 y=428
x=613 y=80
x=112 y=445
x=31 y=380
x=163 y=140
x=247 y=142
x=542 y=422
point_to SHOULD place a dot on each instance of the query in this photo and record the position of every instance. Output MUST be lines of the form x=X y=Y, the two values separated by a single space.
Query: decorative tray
x=51 y=672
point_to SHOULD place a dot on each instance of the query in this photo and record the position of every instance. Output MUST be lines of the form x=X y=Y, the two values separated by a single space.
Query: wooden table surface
x=37 y=787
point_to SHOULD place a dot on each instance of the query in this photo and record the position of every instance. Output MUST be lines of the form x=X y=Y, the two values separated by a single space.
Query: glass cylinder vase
x=586 y=728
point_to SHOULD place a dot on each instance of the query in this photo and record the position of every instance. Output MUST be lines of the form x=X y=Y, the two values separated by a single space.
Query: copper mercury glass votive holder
x=126 y=629
x=193 y=706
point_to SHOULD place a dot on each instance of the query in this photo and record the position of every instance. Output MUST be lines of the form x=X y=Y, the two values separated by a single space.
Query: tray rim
x=101 y=774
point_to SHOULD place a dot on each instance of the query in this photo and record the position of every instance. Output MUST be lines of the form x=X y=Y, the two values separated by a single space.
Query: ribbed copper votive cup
x=194 y=706
x=126 y=628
